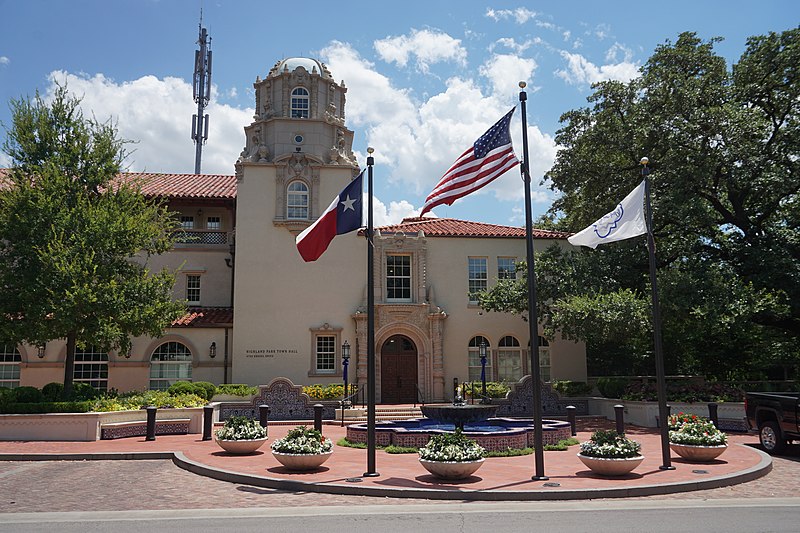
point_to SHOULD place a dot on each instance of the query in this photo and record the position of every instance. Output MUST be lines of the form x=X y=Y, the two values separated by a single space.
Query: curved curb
x=761 y=469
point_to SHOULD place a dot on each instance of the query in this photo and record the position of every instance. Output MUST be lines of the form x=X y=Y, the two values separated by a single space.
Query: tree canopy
x=75 y=237
x=723 y=146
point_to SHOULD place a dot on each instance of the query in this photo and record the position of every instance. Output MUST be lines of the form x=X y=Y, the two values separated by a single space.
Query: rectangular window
x=214 y=223
x=506 y=268
x=477 y=277
x=475 y=365
x=187 y=222
x=509 y=365
x=326 y=354
x=544 y=363
x=193 y=289
x=398 y=278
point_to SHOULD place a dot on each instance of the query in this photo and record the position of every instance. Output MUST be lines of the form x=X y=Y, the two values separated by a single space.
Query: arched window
x=300 y=103
x=9 y=366
x=91 y=366
x=297 y=201
x=474 y=358
x=509 y=359
x=171 y=362
x=544 y=359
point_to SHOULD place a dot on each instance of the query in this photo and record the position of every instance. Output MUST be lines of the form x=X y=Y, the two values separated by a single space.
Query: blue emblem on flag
x=606 y=225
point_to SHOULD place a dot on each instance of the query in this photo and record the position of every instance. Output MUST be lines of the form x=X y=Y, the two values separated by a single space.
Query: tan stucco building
x=237 y=258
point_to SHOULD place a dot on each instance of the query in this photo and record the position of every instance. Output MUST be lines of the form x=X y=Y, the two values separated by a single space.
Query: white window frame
x=170 y=362
x=325 y=354
x=193 y=289
x=544 y=360
x=474 y=358
x=509 y=351
x=477 y=277
x=214 y=223
x=297 y=201
x=504 y=272
x=10 y=362
x=399 y=273
x=300 y=103
x=91 y=366
x=187 y=222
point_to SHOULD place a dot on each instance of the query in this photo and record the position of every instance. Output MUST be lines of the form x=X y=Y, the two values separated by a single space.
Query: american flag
x=487 y=160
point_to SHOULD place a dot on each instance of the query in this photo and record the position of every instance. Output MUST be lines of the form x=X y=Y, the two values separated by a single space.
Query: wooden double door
x=398 y=370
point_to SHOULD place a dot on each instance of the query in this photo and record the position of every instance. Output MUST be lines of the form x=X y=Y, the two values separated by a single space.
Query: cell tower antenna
x=202 y=92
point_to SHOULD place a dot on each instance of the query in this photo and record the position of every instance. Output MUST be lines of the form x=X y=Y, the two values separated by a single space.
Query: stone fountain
x=459 y=413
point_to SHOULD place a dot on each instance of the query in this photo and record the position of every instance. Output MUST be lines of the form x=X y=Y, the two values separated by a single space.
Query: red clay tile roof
x=205 y=317
x=178 y=185
x=186 y=185
x=450 y=227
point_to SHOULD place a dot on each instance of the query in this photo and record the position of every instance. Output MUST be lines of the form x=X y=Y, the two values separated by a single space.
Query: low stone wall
x=519 y=402
x=286 y=401
x=731 y=414
x=86 y=426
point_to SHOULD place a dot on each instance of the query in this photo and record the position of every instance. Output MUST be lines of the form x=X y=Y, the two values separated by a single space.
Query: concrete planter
x=451 y=469
x=241 y=447
x=698 y=454
x=606 y=466
x=302 y=462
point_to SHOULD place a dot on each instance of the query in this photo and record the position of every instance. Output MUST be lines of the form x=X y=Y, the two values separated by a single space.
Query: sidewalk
x=403 y=477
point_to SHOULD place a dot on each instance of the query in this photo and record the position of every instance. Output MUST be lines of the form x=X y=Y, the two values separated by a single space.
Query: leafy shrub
x=494 y=389
x=182 y=387
x=572 y=388
x=46 y=407
x=82 y=392
x=612 y=387
x=28 y=395
x=683 y=392
x=400 y=449
x=324 y=392
x=611 y=445
x=453 y=447
x=237 y=389
x=241 y=428
x=204 y=389
x=53 y=392
x=302 y=440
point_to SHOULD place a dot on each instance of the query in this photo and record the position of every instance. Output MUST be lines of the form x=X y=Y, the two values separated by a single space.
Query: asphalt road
x=744 y=515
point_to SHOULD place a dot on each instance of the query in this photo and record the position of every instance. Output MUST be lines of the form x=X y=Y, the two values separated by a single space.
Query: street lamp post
x=482 y=352
x=345 y=363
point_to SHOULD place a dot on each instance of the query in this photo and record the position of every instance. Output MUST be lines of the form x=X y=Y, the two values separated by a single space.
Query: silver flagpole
x=663 y=413
x=533 y=322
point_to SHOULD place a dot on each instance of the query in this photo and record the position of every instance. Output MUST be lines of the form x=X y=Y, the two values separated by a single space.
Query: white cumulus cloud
x=505 y=71
x=157 y=115
x=580 y=70
x=520 y=15
x=4 y=60
x=427 y=46
x=394 y=213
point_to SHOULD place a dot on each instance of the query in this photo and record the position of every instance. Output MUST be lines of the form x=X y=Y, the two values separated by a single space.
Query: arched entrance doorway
x=398 y=370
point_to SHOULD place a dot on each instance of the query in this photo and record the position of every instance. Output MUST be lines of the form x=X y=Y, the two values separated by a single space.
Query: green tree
x=723 y=145
x=75 y=237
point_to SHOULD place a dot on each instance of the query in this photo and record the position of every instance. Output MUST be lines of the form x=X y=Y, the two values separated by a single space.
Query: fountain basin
x=458 y=414
x=494 y=434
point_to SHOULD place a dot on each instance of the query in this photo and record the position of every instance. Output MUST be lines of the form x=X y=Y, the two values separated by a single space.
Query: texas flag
x=342 y=216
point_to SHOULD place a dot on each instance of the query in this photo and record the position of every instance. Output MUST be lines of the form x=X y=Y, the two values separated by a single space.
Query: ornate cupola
x=299 y=115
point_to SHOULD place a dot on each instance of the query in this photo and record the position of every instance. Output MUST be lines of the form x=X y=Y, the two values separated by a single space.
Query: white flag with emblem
x=624 y=222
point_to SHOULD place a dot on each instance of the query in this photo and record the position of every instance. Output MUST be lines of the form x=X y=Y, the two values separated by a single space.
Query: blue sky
x=424 y=79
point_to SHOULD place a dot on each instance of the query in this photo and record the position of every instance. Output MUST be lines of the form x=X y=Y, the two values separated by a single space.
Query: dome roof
x=291 y=63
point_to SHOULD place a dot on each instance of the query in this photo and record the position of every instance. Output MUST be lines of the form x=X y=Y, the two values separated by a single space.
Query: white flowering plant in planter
x=452 y=447
x=609 y=444
x=241 y=428
x=303 y=440
x=694 y=430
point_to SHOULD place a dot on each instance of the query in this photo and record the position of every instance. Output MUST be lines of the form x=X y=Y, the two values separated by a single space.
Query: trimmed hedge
x=25 y=408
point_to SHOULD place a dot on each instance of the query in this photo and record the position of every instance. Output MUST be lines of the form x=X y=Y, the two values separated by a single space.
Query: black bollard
x=263 y=416
x=571 y=419
x=619 y=415
x=712 y=414
x=208 y=421
x=318 y=416
x=151 y=423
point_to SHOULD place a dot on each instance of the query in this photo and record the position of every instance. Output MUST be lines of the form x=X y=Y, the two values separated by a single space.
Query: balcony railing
x=201 y=237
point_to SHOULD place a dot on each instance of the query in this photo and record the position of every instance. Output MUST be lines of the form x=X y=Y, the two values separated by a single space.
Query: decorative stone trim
x=120 y=430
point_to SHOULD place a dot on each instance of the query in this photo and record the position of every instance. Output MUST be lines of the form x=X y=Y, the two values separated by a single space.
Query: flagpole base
x=666 y=467
x=539 y=478
x=371 y=474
